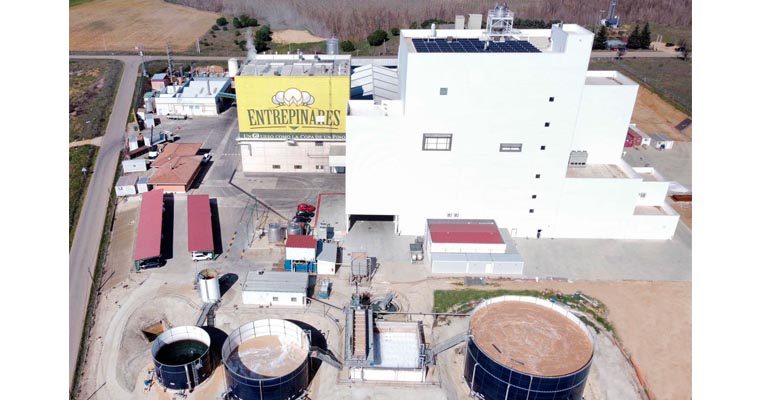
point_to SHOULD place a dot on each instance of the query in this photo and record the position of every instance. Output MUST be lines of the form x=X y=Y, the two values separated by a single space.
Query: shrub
x=237 y=23
x=395 y=31
x=377 y=37
x=214 y=27
x=347 y=46
x=222 y=21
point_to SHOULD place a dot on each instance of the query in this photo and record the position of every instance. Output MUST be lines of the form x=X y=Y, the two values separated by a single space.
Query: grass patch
x=464 y=300
x=95 y=285
x=669 y=78
x=93 y=86
x=80 y=157
x=78 y=2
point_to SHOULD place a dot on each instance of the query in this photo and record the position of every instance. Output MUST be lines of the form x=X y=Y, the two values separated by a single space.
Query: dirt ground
x=685 y=211
x=105 y=25
x=653 y=115
x=295 y=36
x=654 y=323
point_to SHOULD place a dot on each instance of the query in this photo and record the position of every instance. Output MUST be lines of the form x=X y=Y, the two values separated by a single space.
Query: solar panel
x=472 y=46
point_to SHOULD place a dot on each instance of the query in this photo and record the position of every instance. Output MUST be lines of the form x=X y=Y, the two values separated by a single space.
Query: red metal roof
x=150 y=224
x=465 y=233
x=200 y=237
x=301 y=241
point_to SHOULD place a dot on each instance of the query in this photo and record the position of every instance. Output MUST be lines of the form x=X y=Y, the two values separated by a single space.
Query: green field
x=670 y=78
x=93 y=85
x=464 y=300
x=78 y=2
x=80 y=157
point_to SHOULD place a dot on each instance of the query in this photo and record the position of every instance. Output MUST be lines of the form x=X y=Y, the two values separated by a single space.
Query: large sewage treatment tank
x=181 y=357
x=266 y=360
x=527 y=348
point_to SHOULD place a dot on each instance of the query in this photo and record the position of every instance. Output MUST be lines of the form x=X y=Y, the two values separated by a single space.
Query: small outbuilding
x=661 y=141
x=126 y=185
x=273 y=288
x=135 y=165
x=301 y=248
x=327 y=260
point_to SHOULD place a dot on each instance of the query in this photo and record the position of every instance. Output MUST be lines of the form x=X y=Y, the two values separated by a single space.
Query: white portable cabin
x=661 y=141
x=136 y=165
x=126 y=185
x=274 y=288
x=645 y=137
x=301 y=248
x=143 y=184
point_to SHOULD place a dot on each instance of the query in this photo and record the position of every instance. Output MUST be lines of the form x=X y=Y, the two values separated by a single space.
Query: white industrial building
x=504 y=124
x=327 y=259
x=199 y=96
x=273 y=288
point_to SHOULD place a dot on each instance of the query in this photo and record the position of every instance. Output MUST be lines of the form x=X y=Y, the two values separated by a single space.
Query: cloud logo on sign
x=293 y=97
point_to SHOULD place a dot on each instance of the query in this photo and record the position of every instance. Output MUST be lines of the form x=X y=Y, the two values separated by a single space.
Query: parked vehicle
x=669 y=44
x=206 y=157
x=305 y=207
x=201 y=256
x=150 y=263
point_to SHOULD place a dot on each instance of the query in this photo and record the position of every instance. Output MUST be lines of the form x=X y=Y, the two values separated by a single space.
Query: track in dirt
x=115 y=25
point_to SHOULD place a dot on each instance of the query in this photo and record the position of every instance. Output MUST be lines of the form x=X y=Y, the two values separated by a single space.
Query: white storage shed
x=274 y=288
x=661 y=141
x=126 y=185
x=301 y=248
x=136 y=165
x=327 y=260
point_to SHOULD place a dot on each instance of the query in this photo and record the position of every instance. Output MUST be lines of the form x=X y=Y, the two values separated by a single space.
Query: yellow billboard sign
x=292 y=104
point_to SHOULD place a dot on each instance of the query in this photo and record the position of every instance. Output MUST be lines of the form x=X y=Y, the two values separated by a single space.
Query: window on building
x=547 y=124
x=534 y=196
x=531 y=210
x=297 y=167
x=319 y=144
x=542 y=147
x=443 y=91
x=293 y=299
x=642 y=195
x=319 y=167
x=510 y=147
x=551 y=99
x=537 y=176
x=436 y=142
x=275 y=299
x=275 y=166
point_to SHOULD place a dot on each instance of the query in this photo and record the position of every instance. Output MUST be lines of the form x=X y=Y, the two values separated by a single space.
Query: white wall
x=385 y=374
x=260 y=156
x=326 y=268
x=300 y=254
x=266 y=298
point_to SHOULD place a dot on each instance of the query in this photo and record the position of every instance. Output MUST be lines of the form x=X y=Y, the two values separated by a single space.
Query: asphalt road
x=85 y=245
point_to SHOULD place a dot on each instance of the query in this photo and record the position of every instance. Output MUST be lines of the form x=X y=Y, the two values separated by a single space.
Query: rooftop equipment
x=333 y=45
x=500 y=22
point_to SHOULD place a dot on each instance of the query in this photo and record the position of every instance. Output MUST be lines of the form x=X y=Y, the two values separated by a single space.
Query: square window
x=443 y=91
x=537 y=176
x=297 y=167
x=642 y=195
x=547 y=124
x=534 y=196
x=319 y=167
x=319 y=144
x=531 y=210
x=293 y=299
x=276 y=166
x=510 y=147
x=275 y=299
x=542 y=147
x=551 y=99
x=436 y=142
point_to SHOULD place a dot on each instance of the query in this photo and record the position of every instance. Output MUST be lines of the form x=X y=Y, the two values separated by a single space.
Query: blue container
x=287 y=265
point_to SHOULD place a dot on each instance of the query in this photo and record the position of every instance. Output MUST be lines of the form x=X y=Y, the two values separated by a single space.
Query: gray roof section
x=127 y=180
x=659 y=136
x=328 y=252
x=276 y=281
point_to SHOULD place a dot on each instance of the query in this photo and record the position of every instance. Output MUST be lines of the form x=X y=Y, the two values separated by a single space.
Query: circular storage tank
x=181 y=357
x=266 y=360
x=332 y=46
x=527 y=348
x=274 y=233
x=294 y=229
x=208 y=284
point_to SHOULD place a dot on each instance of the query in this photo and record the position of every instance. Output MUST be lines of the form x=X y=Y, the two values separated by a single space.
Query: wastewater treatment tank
x=266 y=360
x=527 y=348
x=181 y=357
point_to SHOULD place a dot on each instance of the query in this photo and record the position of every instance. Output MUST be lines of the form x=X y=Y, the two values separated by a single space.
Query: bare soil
x=115 y=25
x=653 y=115
x=295 y=36
x=531 y=338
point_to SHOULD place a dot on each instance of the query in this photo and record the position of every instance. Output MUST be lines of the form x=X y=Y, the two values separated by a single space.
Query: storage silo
x=181 y=357
x=527 y=348
x=265 y=360
x=332 y=45
x=208 y=284
x=274 y=233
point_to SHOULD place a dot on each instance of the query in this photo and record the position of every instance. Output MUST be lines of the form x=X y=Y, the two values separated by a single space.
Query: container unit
x=208 y=284
x=143 y=185
x=300 y=266
x=327 y=260
x=265 y=360
x=301 y=248
x=274 y=288
x=181 y=357
x=126 y=185
x=510 y=356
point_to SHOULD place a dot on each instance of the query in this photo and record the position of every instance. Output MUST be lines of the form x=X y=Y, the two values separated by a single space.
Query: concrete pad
x=331 y=210
x=674 y=164
x=378 y=239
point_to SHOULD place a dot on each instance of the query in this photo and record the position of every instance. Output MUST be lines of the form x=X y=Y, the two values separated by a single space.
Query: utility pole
x=140 y=49
x=170 y=60
x=198 y=45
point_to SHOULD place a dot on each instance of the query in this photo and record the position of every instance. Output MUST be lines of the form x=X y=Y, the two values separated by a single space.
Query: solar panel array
x=472 y=46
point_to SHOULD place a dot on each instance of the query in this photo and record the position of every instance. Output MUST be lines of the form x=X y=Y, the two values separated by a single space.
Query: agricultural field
x=114 y=25
x=93 y=84
x=671 y=78
x=80 y=157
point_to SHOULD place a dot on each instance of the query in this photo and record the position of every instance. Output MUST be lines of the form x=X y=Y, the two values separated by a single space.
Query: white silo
x=208 y=284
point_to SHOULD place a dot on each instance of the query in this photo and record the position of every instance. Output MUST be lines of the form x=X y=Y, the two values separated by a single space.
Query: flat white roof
x=276 y=281
x=296 y=65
